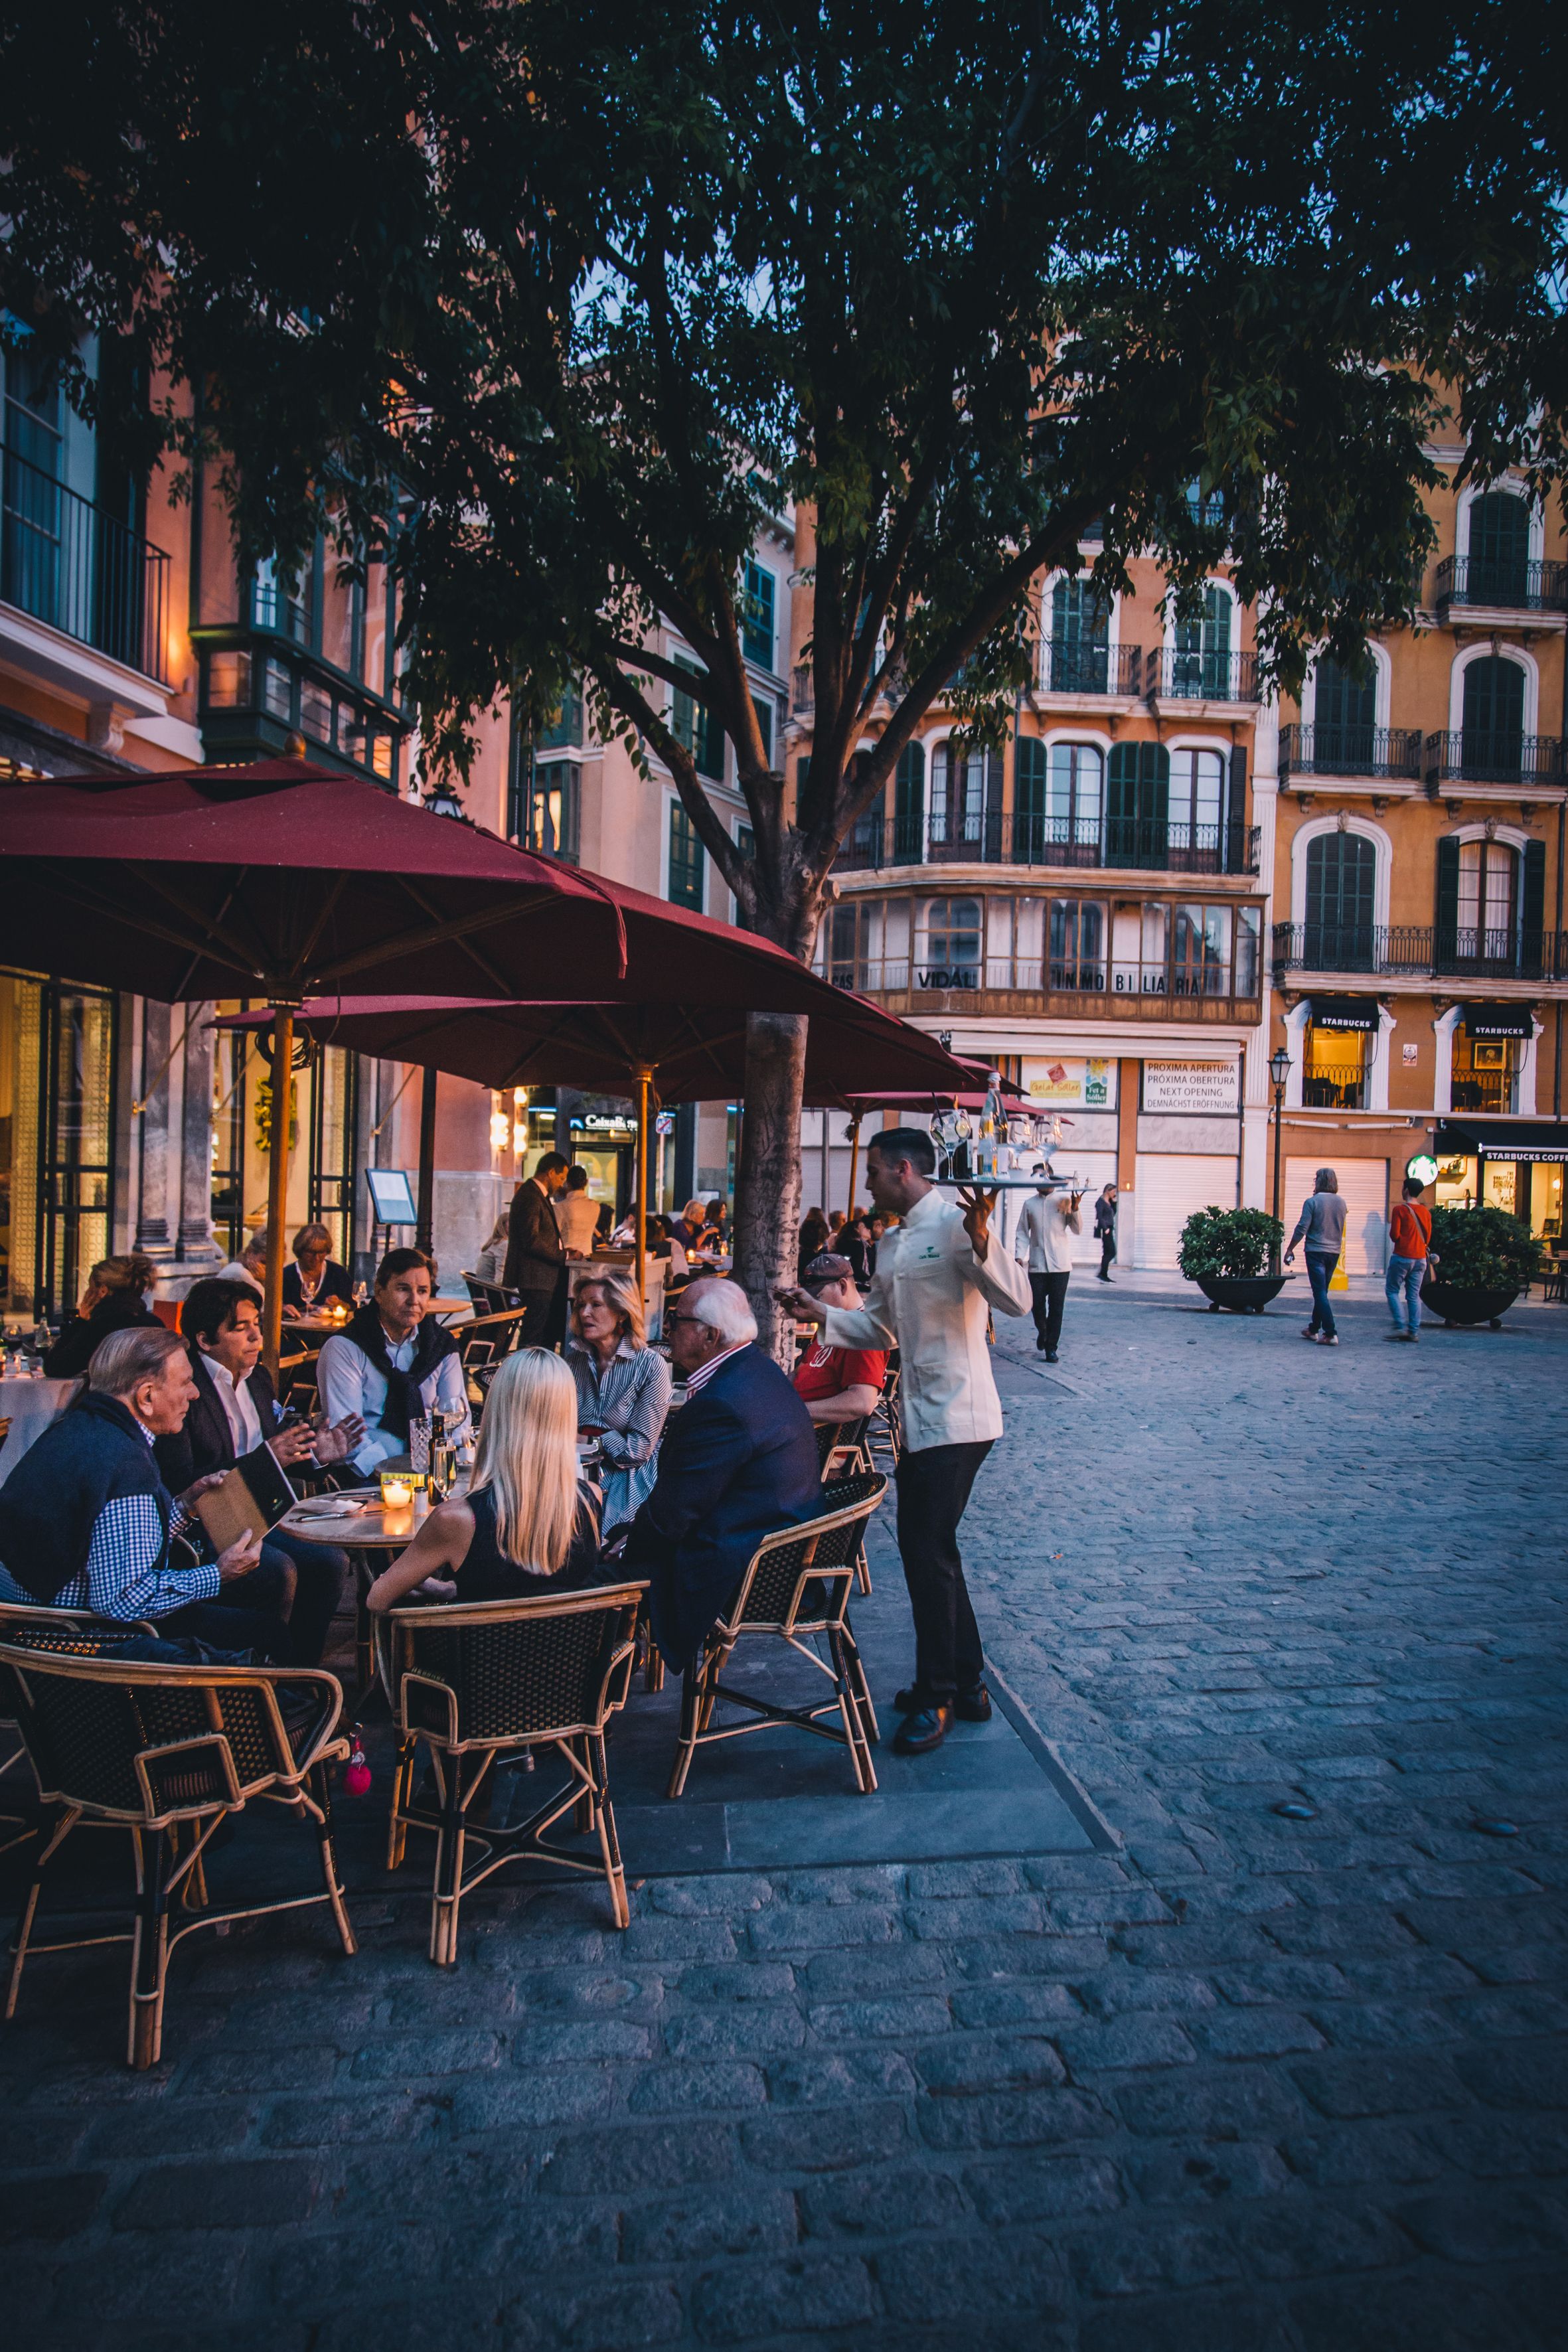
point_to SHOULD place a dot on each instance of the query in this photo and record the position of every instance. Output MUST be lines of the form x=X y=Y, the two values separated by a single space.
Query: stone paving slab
x=1246 y=2083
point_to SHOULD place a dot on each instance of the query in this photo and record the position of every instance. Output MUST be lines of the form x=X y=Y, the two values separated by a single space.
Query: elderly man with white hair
x=738 y=1460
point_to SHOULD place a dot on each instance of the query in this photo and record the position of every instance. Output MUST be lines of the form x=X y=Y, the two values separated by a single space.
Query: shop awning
x=1504 y=1138
x=1359 y=1013
x=1499 y=1020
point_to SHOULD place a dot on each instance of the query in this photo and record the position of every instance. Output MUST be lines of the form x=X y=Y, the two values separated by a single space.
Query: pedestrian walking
x=1322 y=1227
x=1410 y=1230
x=1047 y=1217
x=938 y=1272
x=1105 y=1230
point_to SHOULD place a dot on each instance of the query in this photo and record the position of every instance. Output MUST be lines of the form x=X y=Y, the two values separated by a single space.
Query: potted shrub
x=1482 y=1258
x=1226 y=1252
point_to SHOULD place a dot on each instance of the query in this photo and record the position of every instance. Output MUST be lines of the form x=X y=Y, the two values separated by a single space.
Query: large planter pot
x=1460 y=1303
x=1243 y=1294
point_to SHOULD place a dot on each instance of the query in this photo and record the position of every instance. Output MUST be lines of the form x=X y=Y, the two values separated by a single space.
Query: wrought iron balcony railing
x=1077 y=666
x=1205 y=677
x=1423 y=951
x=73 y=565
x=1468 y=756
x=1506 y=586
x=1019 y=837
x=1390 y=752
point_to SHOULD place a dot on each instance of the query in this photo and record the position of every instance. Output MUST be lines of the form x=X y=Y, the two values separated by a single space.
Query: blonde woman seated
x=527 y=1523
x=623 y=1389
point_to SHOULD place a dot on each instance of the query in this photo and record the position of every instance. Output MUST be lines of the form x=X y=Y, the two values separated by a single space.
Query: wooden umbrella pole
x=278 y=1184
x=643 y=1075
x=853 y=1164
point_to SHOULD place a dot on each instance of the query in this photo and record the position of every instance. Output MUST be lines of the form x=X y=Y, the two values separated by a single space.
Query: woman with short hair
x=115 y=1299
x=1322 y=1226
x=623 y=1389
x=528 y=1523
x=315 y=1280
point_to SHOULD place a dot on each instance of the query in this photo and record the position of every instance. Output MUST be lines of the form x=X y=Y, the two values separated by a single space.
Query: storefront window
x=56 y=1125
x=947 y=948
x=1485 y=1072
x=1335 y=1074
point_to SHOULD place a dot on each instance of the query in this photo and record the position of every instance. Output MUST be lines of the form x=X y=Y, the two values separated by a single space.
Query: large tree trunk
x=767 y=1204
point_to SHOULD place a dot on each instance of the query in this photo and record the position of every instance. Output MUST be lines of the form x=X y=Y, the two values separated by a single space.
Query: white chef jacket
x=1044 y=1223
x=929 y=1298
x=347 y=1382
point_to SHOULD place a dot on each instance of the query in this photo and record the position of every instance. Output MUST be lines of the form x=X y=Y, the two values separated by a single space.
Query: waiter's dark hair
x=209 y=1307
x=910 y=1143
x=403 y=1261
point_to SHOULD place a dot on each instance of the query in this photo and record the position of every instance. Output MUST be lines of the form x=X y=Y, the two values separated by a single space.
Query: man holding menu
x=938 y=1275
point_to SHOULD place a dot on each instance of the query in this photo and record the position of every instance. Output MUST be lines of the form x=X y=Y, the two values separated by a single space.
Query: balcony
x=1501 y=587
x=998 y=837
x=1384 y=752
x=1077 y=666
x=71 y=565
x=1420 y=951
x=1202 y=677
x=1523 y=763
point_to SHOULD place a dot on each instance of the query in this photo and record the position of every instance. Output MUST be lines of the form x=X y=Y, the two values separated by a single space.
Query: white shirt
x=239 y=1410
x=929 y=1298
x=578 y=1218
x=347 y=1382
x=1044 y=1223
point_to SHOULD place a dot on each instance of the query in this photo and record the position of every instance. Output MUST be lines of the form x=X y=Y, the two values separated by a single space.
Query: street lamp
x=1279 y=1071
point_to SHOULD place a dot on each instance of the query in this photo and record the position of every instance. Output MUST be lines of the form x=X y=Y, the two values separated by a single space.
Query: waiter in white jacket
x=937 y=1274
x=1049 y=1216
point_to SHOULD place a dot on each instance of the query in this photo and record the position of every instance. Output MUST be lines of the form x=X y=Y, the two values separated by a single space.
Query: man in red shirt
x=838 y=1384
x=1410 y=1234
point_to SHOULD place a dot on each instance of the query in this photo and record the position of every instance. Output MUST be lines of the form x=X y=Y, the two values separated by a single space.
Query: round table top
x=359 y=1521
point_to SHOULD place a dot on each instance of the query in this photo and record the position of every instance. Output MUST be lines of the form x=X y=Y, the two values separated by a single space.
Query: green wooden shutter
x=1533 y=908
x=1233 y=836
x=1447 y=940
x=909 y=805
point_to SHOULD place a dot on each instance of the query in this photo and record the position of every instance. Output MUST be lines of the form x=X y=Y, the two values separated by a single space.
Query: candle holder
x=397 y=1490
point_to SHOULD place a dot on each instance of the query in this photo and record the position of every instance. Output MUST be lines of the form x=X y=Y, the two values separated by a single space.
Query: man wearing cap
x=838 y=1384
x=1048 y=1215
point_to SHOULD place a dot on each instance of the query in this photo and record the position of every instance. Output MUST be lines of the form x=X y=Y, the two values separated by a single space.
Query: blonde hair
x=528 y=1458
x=133 y=1272
x=621 y=1297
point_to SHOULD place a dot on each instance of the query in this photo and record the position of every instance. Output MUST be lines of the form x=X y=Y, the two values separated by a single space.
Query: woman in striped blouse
x=623 y=1390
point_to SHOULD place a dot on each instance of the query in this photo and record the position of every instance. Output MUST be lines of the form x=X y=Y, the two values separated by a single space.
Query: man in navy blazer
x=737 y=1461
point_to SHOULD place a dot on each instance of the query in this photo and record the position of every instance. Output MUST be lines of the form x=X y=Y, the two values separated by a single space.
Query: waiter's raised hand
x=801 y=1305
x=977 y=1207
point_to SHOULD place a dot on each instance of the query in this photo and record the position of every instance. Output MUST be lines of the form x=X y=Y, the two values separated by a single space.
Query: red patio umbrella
x=691 y=1052
x=280 y=880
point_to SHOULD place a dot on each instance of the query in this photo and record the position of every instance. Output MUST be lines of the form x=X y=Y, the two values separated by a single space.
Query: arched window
x=909 y=805
x=1491 y=905
x=1489 y=901
x=1344 y=719
x=1058 y=797
x=1492 y=745
x=1201 y=659
x=1138 y=805
x=965 y=802
x=1498 y=551
x=1197 y=793
x=1078 y=654
x=1342 y=881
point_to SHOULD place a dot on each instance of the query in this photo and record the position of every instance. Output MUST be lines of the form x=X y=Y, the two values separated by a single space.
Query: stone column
x=152 y=1128
x=197 y=1245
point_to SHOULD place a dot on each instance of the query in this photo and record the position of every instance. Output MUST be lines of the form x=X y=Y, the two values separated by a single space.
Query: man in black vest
x=234 y=1411
x=86 y=1521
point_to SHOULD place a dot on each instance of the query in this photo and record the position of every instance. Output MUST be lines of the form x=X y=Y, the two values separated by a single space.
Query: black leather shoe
x=1050 y=1354
x=918 y=1734
x=969 y=1706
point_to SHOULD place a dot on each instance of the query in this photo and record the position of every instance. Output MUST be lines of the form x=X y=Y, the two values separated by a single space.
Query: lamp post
x=1279 y=1071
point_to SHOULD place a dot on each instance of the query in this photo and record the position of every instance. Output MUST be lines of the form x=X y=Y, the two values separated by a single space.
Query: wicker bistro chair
x=481 y=1346
x=168 y=1753
x=776 y=1597
x=885 y=1428
x=76 y=1631
x=481 y=1680
x=845 y=1453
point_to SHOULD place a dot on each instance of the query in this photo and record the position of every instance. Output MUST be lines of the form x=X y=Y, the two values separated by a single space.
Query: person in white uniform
x=390 y=1363
x=938 y=1275
x=1049 y=1216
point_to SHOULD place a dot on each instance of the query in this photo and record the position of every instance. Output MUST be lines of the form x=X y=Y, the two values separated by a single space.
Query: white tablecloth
x=30 y=1406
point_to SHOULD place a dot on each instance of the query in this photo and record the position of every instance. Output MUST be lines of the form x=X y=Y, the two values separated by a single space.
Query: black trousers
x=1050 y=1296
x=933 y=1491
x=1107 y=1252
x=543 y=1321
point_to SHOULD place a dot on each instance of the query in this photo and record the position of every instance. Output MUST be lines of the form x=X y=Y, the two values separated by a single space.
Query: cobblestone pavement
x=1246 y=2083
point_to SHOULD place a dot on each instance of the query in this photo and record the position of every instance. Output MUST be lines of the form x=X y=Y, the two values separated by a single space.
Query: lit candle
x=396 y=1491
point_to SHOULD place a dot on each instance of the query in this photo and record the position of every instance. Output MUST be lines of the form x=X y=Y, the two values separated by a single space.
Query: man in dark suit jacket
x=737 y=1461
x=535 y=1257
x=234 y=1411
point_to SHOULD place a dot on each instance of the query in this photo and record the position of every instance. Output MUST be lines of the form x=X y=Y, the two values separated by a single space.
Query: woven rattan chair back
x=831 y=1541
x=516 y=1670
x=165 y=1752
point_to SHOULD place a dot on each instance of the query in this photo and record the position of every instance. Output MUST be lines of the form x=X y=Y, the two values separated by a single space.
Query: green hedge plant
x=1483 y=1249
x=1227 y=1242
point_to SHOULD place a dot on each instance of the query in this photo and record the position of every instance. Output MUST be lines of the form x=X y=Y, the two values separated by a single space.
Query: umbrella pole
x=278 y=1184
x=424 y=1206
x=854 y=1163
x=643 y=1075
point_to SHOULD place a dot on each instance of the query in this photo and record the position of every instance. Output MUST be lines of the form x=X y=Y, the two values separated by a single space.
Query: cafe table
x=30 y=1406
